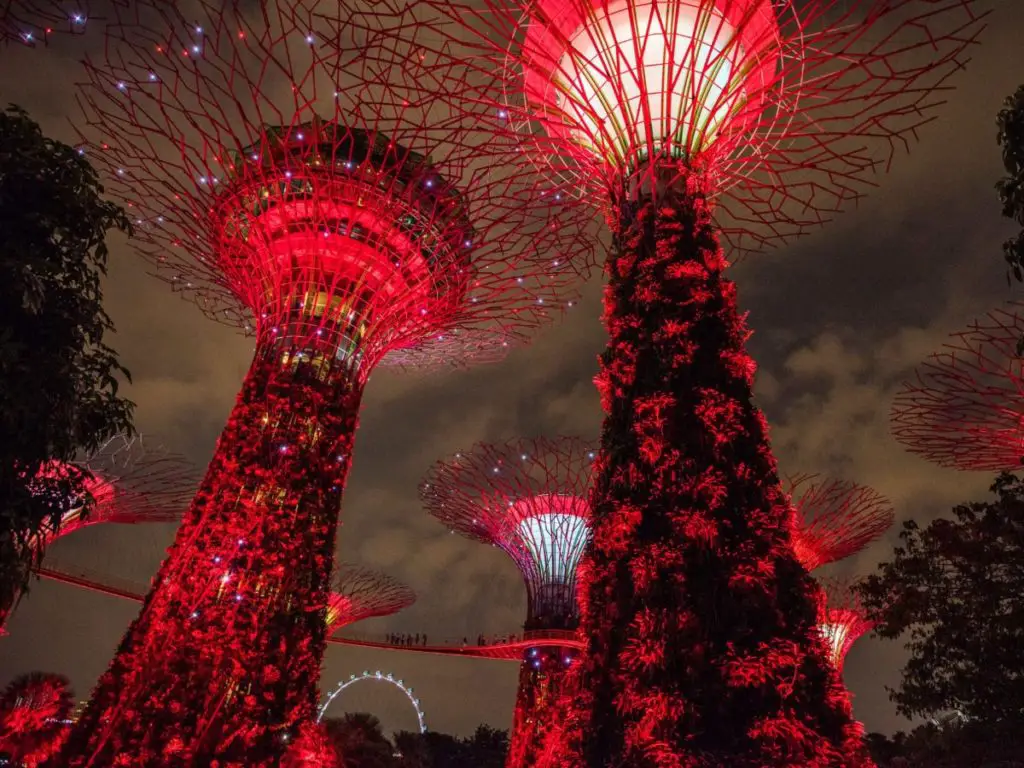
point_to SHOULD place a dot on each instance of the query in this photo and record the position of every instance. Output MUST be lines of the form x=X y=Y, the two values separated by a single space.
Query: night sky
x=840 y=318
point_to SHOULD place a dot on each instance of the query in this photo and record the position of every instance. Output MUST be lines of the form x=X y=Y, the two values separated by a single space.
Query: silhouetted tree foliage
x=955 y=591
x=953 y=743
x=58 y=380
x=362 y=744
x=1011 y=186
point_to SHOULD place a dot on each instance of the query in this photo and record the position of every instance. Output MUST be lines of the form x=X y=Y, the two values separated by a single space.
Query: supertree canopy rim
x=319 y=198
x=529 y=497
x=789 y=108
x=360 y=593
x=963 y=409
x=844 y=619
x=833 y=519
x=128 y=479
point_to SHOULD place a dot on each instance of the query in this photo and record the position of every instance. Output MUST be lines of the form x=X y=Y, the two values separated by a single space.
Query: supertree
x=34 y=711
x=322 y=201
x=752 y=120
x=964 y=409
x=530 y=499
x=834 y=519
x=362 y=593
x=128 y=479
x=844 y=618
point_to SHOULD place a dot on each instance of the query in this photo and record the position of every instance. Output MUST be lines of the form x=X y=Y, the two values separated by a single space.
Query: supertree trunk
x=541 y=682
x=222 y=664
x=701 y=624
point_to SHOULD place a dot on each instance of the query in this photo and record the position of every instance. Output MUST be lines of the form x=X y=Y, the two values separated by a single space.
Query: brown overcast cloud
x=840 y=319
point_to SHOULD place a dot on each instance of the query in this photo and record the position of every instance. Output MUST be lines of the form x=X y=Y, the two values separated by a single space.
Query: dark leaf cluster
x=58 y=379
x=951 y=742
x=1011 y=186
x=362 y=744
x=954 y=591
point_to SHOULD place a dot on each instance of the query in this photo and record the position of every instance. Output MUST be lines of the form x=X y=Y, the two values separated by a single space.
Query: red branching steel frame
x=362 y=593
x=134 y=480
x=791 y=108
x=964 y=408
x=327 y=202
x=845 y=620
x=834 y=519
x=33 y=22
x=529 y=497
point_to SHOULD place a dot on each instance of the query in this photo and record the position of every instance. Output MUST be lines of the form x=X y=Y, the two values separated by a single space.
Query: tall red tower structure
x=128 y=479
x=844 y=619
x=321 y=201
x=529 y=498
x=964 y=408
x=690 y=121
x=361 y=593
x=834 y=519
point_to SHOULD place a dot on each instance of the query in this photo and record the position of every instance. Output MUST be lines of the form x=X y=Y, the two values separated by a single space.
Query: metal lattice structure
x=133 y=480
x=789 y=108
x=964 y=409
x=33 y=22
x=845 y=620
x=530 y=499
x=362 y=593
x=325 y=202
x=834 y=519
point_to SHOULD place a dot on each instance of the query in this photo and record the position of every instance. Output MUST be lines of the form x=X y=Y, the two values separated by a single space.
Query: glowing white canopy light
x=555 y=540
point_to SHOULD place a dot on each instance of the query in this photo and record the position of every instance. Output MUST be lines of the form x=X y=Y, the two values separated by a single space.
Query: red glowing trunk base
x=541 y=682
x=222 y=664
x=702 y=647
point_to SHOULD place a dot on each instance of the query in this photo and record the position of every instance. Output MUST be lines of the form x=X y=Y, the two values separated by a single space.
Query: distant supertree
x=964 y=408
x=530 y=499
x=34 y=712
x=834 y=519
x=845 y=620
x=131 y=479
x=688 y=123
x=324 y=202
x=362 y=593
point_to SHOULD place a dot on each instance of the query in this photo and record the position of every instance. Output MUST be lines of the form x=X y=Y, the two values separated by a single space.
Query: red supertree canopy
x=530 y=498
x=788 y=107
x=964 y=409
x=34 y=711
x=689 y=121
x=845 y=620
x=322 y=201
x=362 y=593
x=834 y=519
x=131 y=480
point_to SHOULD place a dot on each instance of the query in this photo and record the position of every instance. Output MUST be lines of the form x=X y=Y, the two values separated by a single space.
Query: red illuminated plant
x=964 y=408
x=530 y=499
x=34 y=711
x=361 y=593
x=834 y=519
x=131 y=480
x=324 y=203
x=686 y=122
x=845 y=619
x=312 y=748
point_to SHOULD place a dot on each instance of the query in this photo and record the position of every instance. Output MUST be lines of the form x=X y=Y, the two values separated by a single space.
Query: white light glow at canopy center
x=642 y=74
x=554 y=530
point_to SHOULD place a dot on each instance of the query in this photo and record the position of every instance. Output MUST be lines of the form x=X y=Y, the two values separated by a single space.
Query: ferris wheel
x=379 y=677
